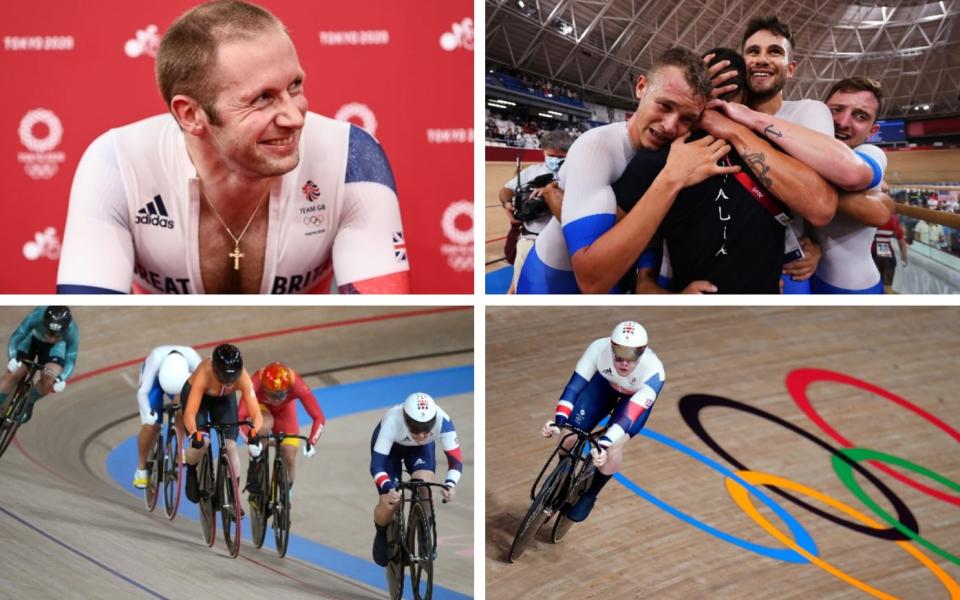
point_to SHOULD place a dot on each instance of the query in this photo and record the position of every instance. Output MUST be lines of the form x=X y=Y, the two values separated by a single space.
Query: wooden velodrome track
x=69 y=531
x=632 y=548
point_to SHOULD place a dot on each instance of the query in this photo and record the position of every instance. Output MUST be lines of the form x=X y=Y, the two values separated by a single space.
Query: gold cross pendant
x=236 y=255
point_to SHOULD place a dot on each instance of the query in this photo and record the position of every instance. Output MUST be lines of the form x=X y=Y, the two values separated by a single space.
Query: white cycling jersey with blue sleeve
x=135 y=205
x=595 y=161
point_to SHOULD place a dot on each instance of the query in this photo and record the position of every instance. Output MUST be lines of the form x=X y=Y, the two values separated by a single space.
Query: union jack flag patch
x=399 y=246
x=311 y=191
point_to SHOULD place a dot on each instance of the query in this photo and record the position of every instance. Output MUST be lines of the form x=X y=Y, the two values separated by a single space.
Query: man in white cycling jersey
x=162 y=375
x=587 y=250
x=237 y=189
x=847 y=265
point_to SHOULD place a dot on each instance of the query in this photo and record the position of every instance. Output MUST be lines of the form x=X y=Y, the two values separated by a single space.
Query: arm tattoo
x=770 y=131
x=757 y=164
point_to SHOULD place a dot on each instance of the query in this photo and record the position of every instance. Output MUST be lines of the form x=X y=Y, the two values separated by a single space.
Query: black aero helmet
x=56 y=319
x=227 y=363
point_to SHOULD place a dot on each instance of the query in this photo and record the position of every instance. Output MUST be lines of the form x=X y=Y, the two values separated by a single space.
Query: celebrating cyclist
x=277 y=386
x=618 y=375
x=406 y=435
x=162 y=374
x=49 y=336
x=211 y=398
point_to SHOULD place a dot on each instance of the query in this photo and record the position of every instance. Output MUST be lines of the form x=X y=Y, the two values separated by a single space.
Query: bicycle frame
x=10 y=421
x=586 y=441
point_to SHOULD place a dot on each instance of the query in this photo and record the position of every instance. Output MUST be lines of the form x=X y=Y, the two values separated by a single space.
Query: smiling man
x=238 y=189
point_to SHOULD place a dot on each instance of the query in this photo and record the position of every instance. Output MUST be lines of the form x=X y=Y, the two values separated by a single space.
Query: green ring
x=845 y=472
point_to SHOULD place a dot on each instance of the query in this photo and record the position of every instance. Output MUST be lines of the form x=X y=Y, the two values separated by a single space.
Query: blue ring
x=800 y=535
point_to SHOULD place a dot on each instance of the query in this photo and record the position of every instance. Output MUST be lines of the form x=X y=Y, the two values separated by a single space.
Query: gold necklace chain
x=236 y=255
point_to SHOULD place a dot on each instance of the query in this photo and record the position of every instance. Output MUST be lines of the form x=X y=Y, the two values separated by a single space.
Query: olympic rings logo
x=800 y=546
x=313 y=220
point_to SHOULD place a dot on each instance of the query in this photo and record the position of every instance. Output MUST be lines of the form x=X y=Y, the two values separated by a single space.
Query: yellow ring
x=742 y=498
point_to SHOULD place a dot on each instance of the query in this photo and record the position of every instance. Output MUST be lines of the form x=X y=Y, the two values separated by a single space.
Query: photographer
x=522 y=234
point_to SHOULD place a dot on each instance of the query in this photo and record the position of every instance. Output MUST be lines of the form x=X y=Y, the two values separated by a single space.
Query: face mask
x=553 y=162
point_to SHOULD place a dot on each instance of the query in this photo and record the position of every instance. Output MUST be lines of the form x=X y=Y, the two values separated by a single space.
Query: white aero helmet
x=419 y=412
x=628 y=341
x=174 y=372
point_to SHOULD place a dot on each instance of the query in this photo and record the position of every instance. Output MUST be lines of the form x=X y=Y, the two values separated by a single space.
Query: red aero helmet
x=276 y=379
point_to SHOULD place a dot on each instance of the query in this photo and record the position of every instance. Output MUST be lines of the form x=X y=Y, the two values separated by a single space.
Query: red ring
x=797 y=383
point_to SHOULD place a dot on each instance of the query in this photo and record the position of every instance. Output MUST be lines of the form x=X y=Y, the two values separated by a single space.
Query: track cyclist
x=277 y=387
x=406 y=435
x=211 y=398
x=50 y=336
x=618 y=375
x=162 y=374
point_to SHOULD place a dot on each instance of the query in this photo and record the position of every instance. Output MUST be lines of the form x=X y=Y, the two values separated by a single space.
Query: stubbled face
x=768 y=63
x=667 y=109
x=261 y=105
x=854 y=116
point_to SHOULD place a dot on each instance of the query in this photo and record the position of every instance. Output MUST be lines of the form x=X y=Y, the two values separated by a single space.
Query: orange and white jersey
x=135 y=210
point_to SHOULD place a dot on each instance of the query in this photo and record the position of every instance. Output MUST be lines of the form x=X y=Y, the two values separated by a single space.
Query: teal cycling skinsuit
x=30 y=341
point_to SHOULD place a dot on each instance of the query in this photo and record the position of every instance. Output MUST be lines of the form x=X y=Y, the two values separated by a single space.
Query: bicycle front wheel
x=230 y=504
x=10 y=421
x=208 y=492
x=172 y=472
x=151 y=493
x=281 y=508
x=420 y=544
x=563 y=524
x=259 y=500
x=540 y=510
x=395 y=557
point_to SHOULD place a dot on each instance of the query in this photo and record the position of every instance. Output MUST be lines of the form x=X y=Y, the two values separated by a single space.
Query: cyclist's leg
x=591 y=406
x=600 y=400
x=148 y=434
x=222 y=412
x=383 y=512
x=255 y=466
x=285 y=421
x=52 y=369
x=192 y=455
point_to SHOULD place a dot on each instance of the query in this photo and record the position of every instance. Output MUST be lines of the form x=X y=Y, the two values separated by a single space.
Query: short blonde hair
x=187 y=54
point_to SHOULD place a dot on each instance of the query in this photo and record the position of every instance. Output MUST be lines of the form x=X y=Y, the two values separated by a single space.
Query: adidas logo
x=419 y=461
x=154 y=213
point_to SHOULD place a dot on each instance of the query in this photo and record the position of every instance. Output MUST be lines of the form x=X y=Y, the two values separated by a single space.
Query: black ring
x=690 y=407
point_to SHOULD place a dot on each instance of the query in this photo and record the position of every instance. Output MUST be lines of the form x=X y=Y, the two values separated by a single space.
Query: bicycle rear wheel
x=395 y=557
x=563 y=524
x=151 y=493
x=281 y=508
x=208 y=493
x=10 y=421
x=540 y=510
x=259 y=500
x=172 y=472
x=230 y=512
x=420 y=544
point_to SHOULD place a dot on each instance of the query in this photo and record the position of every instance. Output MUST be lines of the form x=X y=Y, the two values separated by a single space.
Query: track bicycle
x=272 y=498
x=165 y=465
x=560 y=490
x=412 y=540
x=220 y=491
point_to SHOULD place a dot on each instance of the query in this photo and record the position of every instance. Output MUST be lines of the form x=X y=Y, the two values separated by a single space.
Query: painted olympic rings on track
x=802 y=537
x=799 y=380
x=690 y=407
x=845 y=473
x=741 y=496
